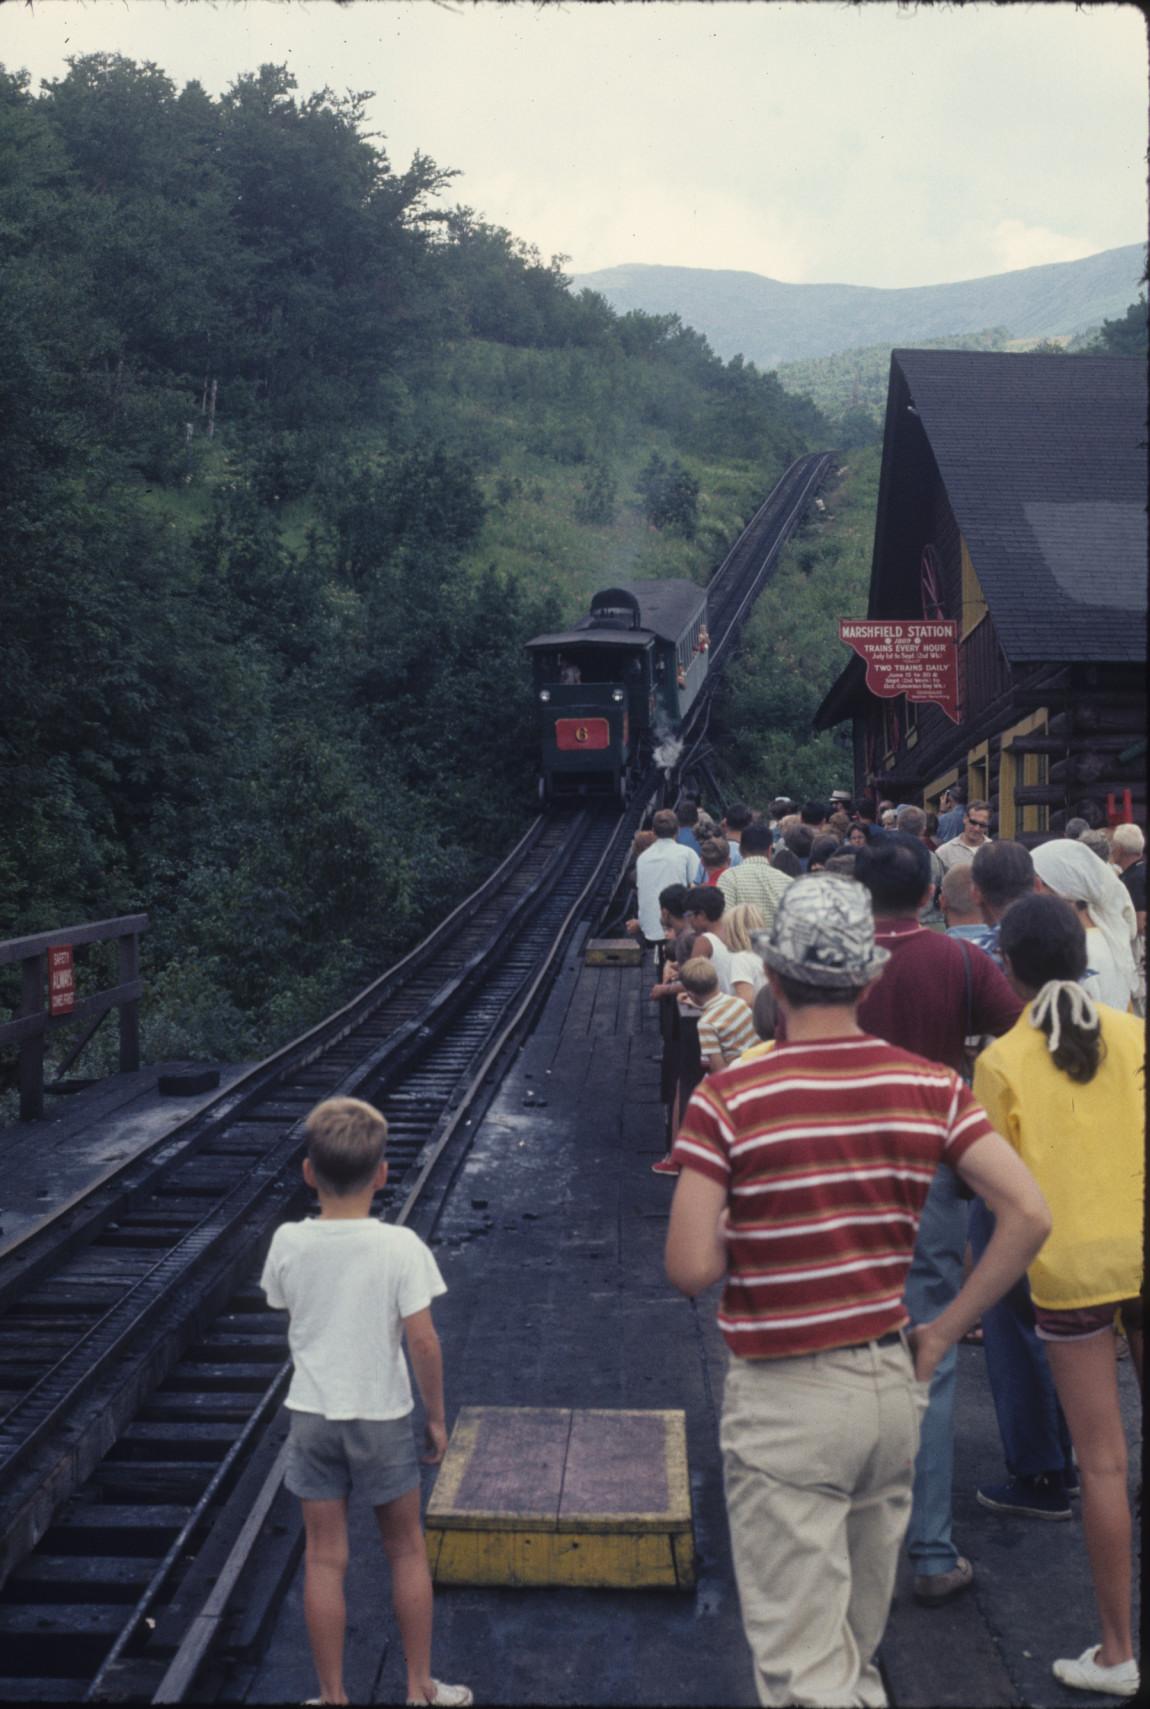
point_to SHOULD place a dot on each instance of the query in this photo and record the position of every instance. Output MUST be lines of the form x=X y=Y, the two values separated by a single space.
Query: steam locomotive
x=615 y=689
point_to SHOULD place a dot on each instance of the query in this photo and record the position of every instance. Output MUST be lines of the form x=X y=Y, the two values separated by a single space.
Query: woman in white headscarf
x=1067 y=869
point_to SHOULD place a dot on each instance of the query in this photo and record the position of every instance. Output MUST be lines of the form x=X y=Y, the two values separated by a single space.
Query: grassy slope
x=858 y=379
x=531 y=530
x=791 y=652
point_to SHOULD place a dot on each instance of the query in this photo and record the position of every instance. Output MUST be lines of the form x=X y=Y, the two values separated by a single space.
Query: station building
x=1013 y=499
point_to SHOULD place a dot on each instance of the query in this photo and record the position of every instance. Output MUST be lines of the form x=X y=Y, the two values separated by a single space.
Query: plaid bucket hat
x=823 y=933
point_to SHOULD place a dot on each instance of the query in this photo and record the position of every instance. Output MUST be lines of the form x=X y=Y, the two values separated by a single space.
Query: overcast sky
x=815 y=142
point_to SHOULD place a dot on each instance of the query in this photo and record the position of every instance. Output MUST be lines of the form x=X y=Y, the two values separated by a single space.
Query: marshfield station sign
x=918 y=659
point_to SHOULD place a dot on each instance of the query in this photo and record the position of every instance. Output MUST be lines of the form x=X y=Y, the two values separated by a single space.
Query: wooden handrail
x=32 y=1024
x=19 y=949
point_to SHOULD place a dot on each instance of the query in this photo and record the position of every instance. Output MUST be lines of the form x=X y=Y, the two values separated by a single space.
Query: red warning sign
x=919 y=660
x=61 y=980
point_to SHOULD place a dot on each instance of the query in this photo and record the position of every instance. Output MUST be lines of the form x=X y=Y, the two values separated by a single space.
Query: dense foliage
x=851 y=386
x=791 y=654
x=291 y=463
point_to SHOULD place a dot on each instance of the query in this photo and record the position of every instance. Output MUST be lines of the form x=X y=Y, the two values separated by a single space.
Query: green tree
x=598 y=498
x=1126 y=336
x=670 y=495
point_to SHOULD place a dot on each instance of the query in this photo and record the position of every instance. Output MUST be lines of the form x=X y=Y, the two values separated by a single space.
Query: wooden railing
x=33 y=1023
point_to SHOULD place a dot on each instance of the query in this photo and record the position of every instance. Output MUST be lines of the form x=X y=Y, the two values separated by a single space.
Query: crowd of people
x=903 y=1074
x=850 y=996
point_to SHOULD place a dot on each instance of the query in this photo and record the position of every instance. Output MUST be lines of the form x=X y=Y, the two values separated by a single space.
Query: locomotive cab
x=591 y=697
x=606 y=689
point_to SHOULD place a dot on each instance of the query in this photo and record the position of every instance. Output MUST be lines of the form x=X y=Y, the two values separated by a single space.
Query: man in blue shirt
x=952 y=813
x=687 y=813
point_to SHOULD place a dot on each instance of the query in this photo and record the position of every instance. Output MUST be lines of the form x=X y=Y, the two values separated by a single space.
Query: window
x=1021 y=770
x=932 y=794
x=910 y=718
x=978 y=773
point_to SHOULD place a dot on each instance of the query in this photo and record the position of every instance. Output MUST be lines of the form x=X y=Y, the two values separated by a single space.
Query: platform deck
x=85 y=1137
x=551 y=1246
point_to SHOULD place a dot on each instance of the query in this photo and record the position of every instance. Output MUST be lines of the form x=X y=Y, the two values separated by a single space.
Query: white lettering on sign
x=905 y=656
x=61 y=981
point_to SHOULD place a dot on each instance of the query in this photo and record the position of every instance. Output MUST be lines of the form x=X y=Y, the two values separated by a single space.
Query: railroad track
x=138 y=1361
x=139 y=1366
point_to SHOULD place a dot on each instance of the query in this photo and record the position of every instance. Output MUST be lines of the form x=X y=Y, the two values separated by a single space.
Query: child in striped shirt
x=725 y=1024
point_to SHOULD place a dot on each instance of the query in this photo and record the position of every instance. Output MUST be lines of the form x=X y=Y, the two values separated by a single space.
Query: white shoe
x=1086 y=1674
x=446 y=1696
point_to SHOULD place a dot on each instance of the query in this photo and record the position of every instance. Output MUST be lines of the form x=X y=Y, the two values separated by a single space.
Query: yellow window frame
x=1033 y=769
x=978 y=773
x=932 y=794
x=974 y=606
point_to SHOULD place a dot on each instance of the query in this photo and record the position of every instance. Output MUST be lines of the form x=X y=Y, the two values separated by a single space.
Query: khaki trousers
x=818 y=1465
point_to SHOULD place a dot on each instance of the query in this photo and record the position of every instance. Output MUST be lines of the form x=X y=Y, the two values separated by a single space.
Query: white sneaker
x=1086 y=1674
x=447 y=1696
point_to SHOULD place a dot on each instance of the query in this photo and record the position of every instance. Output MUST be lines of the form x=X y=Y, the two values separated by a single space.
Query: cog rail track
x=140 y=1369
x=138 y=1362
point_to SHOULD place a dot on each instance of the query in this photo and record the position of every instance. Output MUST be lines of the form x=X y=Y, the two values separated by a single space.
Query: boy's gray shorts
x=327 y=1456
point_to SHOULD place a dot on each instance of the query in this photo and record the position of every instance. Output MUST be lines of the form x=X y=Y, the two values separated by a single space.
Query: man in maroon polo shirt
x=936 y=992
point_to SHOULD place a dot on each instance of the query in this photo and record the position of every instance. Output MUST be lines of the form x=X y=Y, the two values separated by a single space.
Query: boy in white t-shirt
x=354 y=1288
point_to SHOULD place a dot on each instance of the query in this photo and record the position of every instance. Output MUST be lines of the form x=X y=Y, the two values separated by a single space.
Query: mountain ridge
x=769 y=321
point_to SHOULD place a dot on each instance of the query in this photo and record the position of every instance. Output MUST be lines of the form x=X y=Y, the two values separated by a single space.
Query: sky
x=874 y=144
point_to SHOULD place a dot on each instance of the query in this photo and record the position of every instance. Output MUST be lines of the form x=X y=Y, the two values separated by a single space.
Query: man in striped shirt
x=755 y=879
x=804 y=1174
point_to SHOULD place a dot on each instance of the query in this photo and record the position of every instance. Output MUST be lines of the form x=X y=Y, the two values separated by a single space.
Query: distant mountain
x=769 y=322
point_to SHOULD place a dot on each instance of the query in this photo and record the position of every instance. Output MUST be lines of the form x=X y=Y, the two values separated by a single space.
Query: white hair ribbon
x=1045 y=1008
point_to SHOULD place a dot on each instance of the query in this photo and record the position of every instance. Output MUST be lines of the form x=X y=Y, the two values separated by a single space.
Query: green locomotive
x=615 y=689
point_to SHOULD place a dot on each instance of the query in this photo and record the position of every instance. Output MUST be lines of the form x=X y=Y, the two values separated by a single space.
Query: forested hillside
x=293 y=457
x=851 y=387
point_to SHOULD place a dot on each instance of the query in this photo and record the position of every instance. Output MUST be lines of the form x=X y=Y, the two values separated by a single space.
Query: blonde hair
x=698 y=976
x=739 y=922
x=346 y=1140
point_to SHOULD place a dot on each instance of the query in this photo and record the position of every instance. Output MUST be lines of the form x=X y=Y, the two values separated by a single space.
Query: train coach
x=617 y=685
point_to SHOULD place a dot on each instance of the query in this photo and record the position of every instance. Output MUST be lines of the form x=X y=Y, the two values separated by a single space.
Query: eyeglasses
x=979 y=824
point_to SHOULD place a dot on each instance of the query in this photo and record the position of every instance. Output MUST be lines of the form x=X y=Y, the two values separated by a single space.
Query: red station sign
x=61 y=981
x=918 y=659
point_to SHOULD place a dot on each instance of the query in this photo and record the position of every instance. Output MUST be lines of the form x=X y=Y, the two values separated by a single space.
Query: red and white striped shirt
x=826 y=1151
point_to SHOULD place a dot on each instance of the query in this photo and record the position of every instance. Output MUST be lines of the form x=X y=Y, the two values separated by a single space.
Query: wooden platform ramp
x=560 y=1496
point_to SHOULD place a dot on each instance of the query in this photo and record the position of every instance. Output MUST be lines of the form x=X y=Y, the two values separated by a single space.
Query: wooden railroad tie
x=563 y=1496
x=613 y=952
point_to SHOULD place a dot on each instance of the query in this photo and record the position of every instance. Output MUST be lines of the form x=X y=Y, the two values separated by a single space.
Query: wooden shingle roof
x=1044 y=463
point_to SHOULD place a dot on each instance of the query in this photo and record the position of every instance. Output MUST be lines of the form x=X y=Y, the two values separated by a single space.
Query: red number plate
x=572 y=734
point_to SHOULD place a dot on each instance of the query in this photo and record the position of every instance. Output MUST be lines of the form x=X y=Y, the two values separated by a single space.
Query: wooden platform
x=85 y=1138
x=556 y=1496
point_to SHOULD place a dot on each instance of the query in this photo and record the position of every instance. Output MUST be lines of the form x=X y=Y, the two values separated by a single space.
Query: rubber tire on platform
x=188 y=1082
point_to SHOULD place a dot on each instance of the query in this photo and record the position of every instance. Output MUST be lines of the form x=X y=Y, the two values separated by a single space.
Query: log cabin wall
x=1043 y=740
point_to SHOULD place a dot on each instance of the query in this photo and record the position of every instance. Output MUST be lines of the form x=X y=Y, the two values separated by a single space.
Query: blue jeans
x=1035 y=1439
x=934 y=1279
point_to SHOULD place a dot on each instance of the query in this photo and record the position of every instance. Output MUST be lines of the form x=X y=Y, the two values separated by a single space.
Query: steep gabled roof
x=1044 y=463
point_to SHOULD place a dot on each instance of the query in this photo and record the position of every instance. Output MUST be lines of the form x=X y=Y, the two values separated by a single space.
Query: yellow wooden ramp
x=560 y=1496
